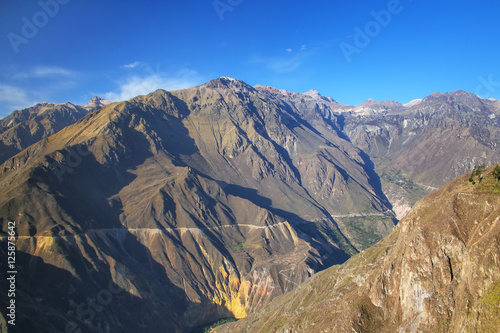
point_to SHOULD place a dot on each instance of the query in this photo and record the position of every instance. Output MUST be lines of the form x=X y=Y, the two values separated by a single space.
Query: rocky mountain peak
x=314 y=94
x=458 y=94
x=454 y=98
x=413 y=103
x=372 y=106
x=371 y=102
x=464 y=97
x=225 y=82
x=96 y=102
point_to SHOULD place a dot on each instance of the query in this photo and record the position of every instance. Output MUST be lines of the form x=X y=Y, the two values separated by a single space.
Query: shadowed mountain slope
x=438 y=271
x=192 y=205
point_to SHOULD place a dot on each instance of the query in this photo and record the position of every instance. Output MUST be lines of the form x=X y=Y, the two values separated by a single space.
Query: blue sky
x=71 y=50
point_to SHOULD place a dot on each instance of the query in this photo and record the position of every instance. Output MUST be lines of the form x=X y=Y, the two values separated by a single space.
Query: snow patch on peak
x=413 y=103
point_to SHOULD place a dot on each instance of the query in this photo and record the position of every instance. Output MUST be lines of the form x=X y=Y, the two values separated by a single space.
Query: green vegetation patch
x=327 y=233
x=413 y=192
x=477 y=174
x=238 y=246
x=486 y=183
x=365 y=231
x=210 y=327
x=491 y=308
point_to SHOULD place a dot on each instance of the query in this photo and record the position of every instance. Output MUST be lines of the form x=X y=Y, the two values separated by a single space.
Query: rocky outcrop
x=437 y=272
x=96 y=103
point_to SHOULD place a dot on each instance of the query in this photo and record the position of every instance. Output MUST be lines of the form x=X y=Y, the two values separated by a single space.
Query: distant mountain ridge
x=429 y=143
x=375 y=127
x=25 y=127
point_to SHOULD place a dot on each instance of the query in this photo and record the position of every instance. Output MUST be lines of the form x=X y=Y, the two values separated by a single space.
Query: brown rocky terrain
x=432 y=142
x=188 y=206
x=438 y=271
x=25 y=127
x=184 y=207
x=428 y=143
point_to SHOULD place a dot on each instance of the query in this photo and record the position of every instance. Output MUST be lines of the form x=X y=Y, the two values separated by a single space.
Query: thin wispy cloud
x=286 y=63
x=14 y=98
x=39 y=83
x=142 y=85
x=131 y=65
x=44 y=72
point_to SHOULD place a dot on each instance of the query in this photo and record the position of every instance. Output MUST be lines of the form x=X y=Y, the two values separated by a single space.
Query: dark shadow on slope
x=254 y=197
x=85 y=191
x=374 y=178
x=299 y=119
x=51 y=299
x=84 y=197
x=7 y=152
x=309 y=231
x=290 y=122
x=339 y=126
x=214 y=239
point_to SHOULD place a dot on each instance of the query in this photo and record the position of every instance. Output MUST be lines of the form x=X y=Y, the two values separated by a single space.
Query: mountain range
x=428 y=143
x=205 y=203
x=25 y=127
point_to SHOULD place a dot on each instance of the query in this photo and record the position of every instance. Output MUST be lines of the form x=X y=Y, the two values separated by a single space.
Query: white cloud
x=11 y=94
x=44 y=72
x=281 y=64
x=13 y=98
x=287 y=63
x=284 y=65
x=135 y=85
x=131 y=65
